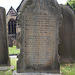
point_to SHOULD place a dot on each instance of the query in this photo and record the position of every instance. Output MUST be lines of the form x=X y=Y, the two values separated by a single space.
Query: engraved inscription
x=40 y=40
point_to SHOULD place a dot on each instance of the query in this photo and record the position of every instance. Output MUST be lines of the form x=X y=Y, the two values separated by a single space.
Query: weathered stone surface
x=39 y=37
x=4 y=59
x=15 y=73
x=4 y=68
x=18 y=40
x=67 y=35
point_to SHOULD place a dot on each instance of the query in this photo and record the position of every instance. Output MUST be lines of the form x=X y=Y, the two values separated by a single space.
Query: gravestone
x=67 y=35
x=14 y=42
x=10 y=42
x=40 y=20
x=4 y=58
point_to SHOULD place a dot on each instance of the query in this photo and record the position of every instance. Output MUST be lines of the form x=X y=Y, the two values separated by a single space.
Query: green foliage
x=68 y=69
x=1 y=73
x=72 y=4
x=14 y=62
x=9 y=71
x=13 y=50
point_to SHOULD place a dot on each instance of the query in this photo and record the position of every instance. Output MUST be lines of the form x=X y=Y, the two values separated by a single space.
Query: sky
x=15 y=3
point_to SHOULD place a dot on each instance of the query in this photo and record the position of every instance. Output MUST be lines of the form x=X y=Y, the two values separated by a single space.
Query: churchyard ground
x=66 y=69
x=13 y=50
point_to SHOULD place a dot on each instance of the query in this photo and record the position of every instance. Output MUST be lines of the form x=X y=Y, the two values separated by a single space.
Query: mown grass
x=9 y=71
x=14 y=62
x=13 y=50
x=68 y=69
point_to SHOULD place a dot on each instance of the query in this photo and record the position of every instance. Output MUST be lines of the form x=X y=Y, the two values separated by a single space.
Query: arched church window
x=12 y=26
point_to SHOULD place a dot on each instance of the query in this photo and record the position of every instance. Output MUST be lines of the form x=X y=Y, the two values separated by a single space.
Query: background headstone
x=40 y=20
x=14 y=42
x=10 y=42
x=67 y=35
x=4 y=58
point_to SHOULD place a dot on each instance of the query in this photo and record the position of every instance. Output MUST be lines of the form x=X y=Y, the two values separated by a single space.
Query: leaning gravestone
x=67 y=35
x=4 y=59
x=39 y=37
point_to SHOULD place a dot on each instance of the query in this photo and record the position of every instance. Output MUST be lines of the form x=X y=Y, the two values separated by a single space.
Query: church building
x=11 y=24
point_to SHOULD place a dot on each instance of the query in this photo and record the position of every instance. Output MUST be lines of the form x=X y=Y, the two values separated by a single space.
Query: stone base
x=15 y=73
x=3 y=68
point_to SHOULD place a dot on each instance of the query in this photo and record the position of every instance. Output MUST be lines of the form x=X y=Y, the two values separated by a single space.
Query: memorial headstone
x=4 y=57
x=14 y=42
x=67 y=35
x=10 y=42
x=40 y=20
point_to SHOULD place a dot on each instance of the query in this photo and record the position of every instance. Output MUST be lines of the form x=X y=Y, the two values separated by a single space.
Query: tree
x=72 y=4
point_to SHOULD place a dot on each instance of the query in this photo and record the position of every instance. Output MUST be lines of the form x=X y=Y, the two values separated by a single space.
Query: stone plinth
x=3 y=68
x=15 y=73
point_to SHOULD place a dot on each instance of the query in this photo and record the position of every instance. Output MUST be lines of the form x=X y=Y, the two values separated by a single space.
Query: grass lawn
x=66 y=69
x=9 y=72
x=13 y=50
